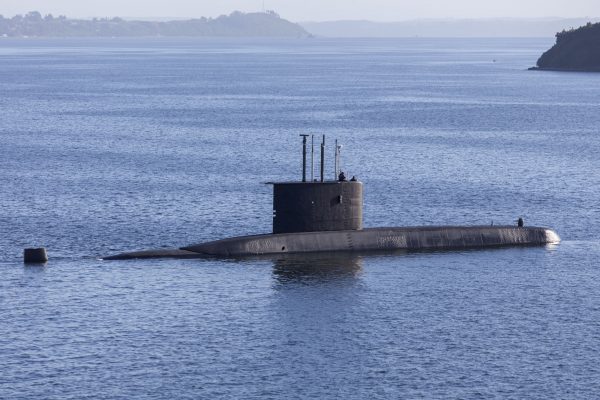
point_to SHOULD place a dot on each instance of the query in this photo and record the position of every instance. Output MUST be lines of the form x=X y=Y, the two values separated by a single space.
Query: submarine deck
x=364 y=240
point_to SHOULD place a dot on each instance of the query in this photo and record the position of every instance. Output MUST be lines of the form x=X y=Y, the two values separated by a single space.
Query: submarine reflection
x=316 y=267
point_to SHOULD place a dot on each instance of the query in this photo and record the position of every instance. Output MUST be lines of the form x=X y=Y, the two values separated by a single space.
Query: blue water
x=112 y=145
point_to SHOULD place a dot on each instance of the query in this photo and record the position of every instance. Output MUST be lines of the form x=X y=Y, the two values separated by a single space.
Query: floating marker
x=37 y=255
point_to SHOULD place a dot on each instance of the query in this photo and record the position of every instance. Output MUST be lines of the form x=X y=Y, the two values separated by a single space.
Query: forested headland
x=574 y=50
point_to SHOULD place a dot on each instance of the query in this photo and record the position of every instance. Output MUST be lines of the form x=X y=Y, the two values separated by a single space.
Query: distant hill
x=575 y=50
x=236 y=24
x=491 y=27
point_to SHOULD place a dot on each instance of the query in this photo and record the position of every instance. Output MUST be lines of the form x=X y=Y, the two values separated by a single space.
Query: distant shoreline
x=563 y=69
x=475 y=27
x=159 y=37
x=497 y=38
x=236 y=24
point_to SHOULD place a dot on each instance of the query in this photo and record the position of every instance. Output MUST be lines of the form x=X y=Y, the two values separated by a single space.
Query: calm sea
x=111 y=145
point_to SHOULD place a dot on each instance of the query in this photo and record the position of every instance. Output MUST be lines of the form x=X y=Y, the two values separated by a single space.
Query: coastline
x=562 y=69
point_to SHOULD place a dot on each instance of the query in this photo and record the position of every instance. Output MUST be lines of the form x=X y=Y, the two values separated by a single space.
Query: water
x=114 y=145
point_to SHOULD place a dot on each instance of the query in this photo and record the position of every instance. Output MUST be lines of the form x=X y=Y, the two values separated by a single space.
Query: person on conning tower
x=342 y=177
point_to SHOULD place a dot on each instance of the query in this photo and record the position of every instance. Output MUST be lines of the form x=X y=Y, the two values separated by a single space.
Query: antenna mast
x=312 y=158
x=304 y=157
x=339 y=158
x=335 y=167
x=323 y=159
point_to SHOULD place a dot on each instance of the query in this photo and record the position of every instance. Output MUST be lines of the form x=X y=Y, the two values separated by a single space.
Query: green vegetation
x=575 y=50
x=33 y=24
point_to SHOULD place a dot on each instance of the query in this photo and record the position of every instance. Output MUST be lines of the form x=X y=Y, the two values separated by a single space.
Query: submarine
x=318 y=215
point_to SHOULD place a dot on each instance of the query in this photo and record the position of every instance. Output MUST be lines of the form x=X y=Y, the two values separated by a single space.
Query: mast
x=323 y=159
x=304 y=157
x=312 y=158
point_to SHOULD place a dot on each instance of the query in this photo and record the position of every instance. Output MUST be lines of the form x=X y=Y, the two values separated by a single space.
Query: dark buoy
x=37 y=255
x=520 y=222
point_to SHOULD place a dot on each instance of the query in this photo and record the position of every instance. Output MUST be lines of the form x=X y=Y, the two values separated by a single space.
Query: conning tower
x=317 y=205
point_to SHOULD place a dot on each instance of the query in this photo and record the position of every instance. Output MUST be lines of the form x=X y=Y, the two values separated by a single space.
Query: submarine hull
x=364 y=240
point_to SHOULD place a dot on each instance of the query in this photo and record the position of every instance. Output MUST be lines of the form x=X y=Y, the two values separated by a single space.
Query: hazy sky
x=310 y=10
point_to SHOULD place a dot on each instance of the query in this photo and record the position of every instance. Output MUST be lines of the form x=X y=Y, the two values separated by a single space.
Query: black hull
x=365 y=240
